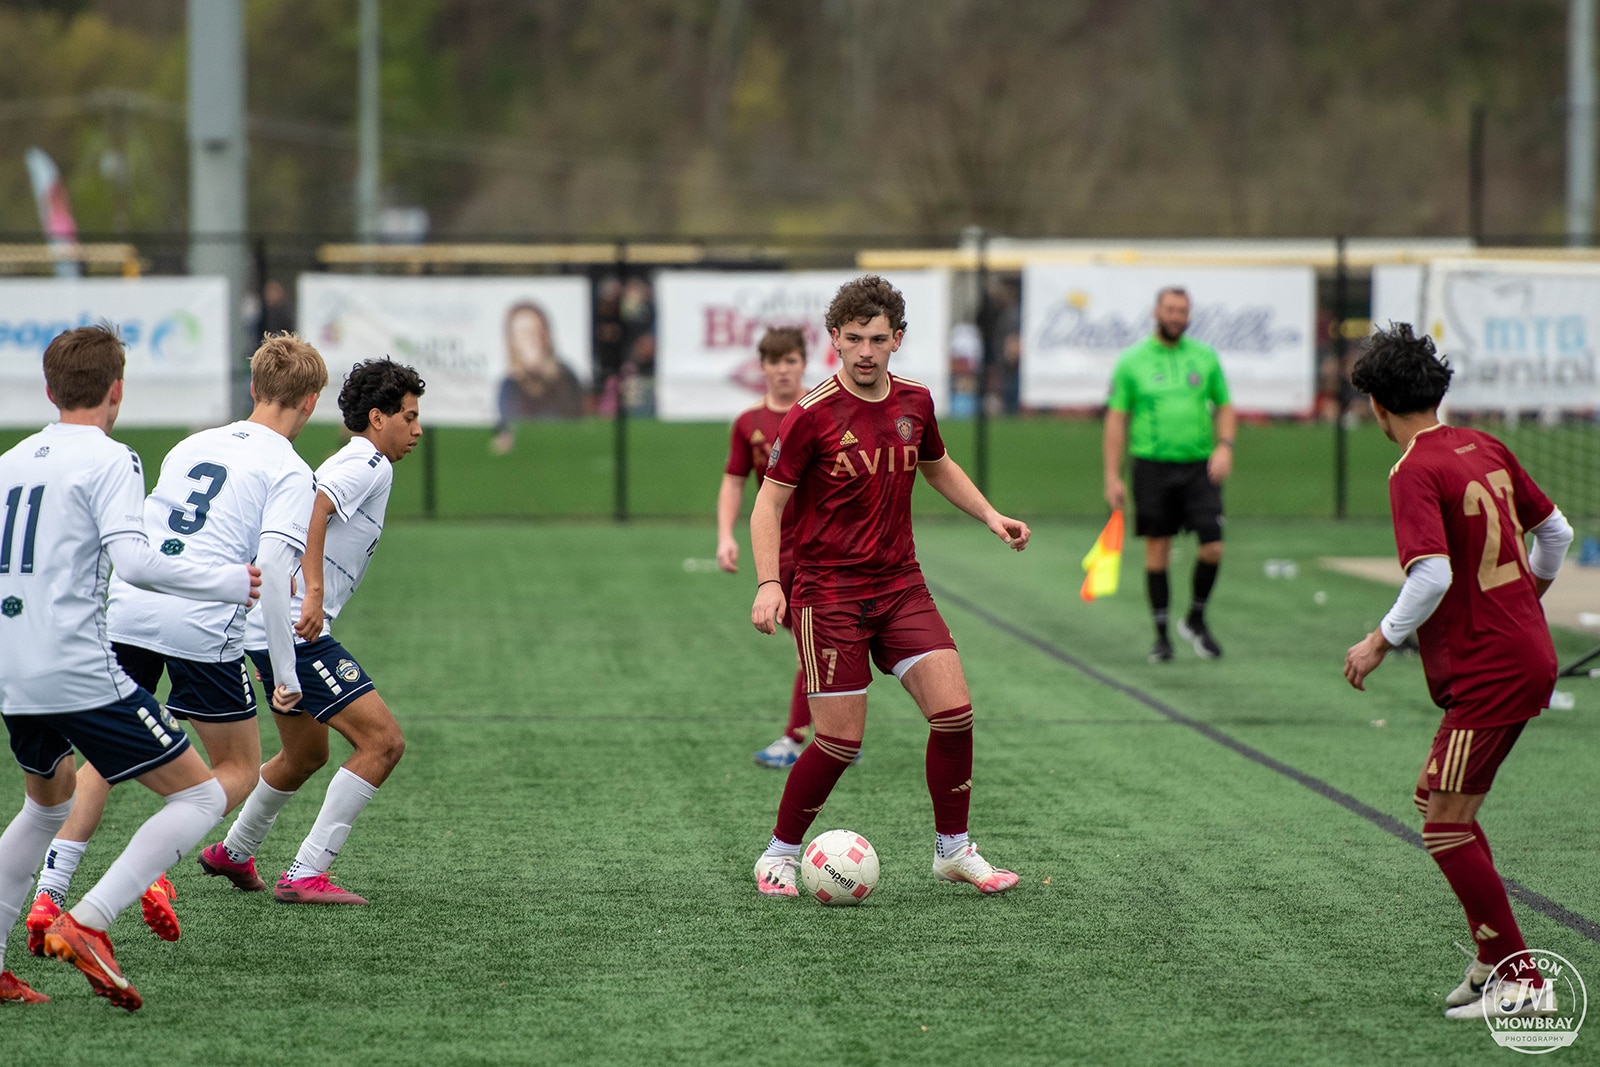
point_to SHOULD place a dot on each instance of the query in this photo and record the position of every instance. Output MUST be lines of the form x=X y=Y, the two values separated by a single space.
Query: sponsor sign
x=1076 y=321
x=710 y=322
x=1519 y=335
x=486 y=347
x=175 y=330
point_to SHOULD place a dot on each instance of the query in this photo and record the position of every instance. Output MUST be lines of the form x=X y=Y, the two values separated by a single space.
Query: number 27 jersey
x=1486 y=650
x=220 y=492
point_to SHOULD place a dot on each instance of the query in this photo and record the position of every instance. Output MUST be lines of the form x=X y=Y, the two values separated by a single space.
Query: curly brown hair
x=865 y=299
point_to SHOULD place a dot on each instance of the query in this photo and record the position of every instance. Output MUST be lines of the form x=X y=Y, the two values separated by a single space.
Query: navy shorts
x=208 y=692
x=123 y=741
x=330 y=678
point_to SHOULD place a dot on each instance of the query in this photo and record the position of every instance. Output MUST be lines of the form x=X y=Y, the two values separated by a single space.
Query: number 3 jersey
x=220 y=492
x=357 y=479
x=65 y=493
x=1486 y=649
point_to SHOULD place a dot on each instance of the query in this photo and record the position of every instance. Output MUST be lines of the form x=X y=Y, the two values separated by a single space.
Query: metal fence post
x=1341 y=282
x=619 y=422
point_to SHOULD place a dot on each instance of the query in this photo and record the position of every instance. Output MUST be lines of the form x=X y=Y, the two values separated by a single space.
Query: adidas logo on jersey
x=847 y=440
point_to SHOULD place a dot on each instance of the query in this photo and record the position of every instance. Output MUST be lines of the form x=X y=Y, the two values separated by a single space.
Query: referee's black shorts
x=1171 y=497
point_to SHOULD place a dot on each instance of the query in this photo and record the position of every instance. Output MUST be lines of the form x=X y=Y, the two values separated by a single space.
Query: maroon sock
x=811 y=779
x=1471 y=874
x=949 y=764
x=1483 y=840
x=799 y=708
x=1420 y=799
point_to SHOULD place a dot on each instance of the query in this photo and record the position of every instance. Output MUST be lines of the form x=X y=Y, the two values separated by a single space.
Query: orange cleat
x=40 y=916
x=14 y=990
x=90 y=951
x=157 y=905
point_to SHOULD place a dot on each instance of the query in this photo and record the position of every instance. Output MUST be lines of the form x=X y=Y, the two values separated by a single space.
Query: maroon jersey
x=853 y=464
x=1486 y=650
x=749 y=447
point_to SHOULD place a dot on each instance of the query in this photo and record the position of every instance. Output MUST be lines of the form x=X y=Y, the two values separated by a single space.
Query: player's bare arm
x=1113 y=440
x=766 y=532
x=952 y=483
x=729 y=497
x=309 y=625
x=1220 y=465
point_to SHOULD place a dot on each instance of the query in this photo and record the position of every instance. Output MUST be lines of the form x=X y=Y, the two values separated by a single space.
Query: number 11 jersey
x=1486 y=649
x=220 y=492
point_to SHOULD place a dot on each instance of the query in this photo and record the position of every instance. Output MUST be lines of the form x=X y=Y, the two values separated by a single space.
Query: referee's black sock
x=1205 y=576
x=1160 y=595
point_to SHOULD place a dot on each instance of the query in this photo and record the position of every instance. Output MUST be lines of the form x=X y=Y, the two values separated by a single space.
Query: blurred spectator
x=538 y=383
x=638 y=314
x=276 y=314
x=966 y=355
x=610 y=342
x=1002 y=330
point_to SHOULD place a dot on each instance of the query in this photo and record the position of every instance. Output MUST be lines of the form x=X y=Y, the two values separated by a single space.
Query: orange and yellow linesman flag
x=1103 y=564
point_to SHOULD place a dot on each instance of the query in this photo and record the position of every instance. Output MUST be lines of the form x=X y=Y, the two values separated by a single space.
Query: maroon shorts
x=1465 y=761
x=836 y=641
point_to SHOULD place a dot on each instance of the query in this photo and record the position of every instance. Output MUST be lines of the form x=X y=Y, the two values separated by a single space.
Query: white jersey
x=357 y=479
x=220 y=492
x=66 y=493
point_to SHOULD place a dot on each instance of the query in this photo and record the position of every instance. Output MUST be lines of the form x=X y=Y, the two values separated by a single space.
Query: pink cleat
x=214 y=860
x=157 y=906
x=316 y=889
x=968 y=866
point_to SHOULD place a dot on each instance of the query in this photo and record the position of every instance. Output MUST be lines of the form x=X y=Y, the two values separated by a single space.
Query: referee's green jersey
x=1169 y=393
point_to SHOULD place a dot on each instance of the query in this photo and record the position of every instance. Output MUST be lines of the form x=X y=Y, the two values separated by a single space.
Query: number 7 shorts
x=840 y=643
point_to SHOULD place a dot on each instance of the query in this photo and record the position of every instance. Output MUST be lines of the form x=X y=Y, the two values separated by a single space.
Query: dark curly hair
x=377 y=383
x=1402 y=371
x=863 y=300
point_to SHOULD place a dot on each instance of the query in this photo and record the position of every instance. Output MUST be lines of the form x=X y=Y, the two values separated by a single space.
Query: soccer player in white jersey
x=379 y=404
x=71 y=500
x=233 y=494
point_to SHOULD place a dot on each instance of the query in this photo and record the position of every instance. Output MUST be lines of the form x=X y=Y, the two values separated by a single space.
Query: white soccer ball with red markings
x=840 y=867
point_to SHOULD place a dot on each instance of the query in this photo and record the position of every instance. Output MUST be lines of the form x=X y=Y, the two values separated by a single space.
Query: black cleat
x=1194 y=631
x=1161 y=651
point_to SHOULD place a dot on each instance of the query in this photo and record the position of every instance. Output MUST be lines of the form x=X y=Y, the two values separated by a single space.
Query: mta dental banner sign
x=1076 y=320
x=710 y=322
x=461 y=334
x=175 y=330
x=1519 y=335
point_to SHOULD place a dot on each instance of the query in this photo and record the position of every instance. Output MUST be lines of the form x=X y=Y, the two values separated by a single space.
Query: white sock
x=254 y=821
x=348 y=794
x=947 y=845
x=22 y=846
x=162 y=841
x=60 y=863
x=781 y=848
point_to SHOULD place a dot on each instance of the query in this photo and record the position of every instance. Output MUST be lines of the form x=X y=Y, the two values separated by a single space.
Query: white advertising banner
x=709 y=324
x=1519 y=335
x=1076 y=320
x=1397 y=293
x=488 y=348
x=175 y=330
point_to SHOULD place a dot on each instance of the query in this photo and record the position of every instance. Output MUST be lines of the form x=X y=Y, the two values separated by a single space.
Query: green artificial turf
x=560 y=866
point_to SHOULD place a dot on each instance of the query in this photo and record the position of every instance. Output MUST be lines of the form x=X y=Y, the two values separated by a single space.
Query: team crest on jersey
x=172 y=547
x=44 y=450
x=11 y=607
x=1194 y=380
x=902 y=425
x=772 y=458
x=347 y=670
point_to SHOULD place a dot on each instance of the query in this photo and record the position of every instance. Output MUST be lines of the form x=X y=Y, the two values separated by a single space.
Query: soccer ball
x=839 y=867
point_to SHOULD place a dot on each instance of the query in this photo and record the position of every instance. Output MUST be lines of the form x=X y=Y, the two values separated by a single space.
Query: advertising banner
x=1520 y=335
x=710 y=322
x=1076 y=320
x=175 y=330
x=489 y=349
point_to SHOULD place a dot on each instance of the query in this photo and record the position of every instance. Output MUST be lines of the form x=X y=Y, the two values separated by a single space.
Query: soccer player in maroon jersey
x=783 y=363
x=1461 y=503
x=848 y=454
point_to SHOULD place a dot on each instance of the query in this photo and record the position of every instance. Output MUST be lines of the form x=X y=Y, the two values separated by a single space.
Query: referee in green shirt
x=1169 y=408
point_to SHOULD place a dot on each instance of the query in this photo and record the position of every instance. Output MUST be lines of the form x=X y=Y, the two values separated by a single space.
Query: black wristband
x=769 y=581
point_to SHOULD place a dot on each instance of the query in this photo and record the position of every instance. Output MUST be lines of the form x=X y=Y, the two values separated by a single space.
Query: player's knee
x=391 y=746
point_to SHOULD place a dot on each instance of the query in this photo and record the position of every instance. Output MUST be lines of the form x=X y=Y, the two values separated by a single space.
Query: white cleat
x=968 y=866
x=1504 y=999
x=1472 y=984
x=776 y=875
x=781 y=754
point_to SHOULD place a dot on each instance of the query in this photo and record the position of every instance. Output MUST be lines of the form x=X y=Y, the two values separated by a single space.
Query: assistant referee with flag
x=1169 y=408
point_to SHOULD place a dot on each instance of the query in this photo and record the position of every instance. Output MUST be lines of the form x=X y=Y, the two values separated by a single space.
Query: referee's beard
x=1169 y=336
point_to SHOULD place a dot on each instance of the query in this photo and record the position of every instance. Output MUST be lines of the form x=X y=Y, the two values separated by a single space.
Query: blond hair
x=285 y=370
